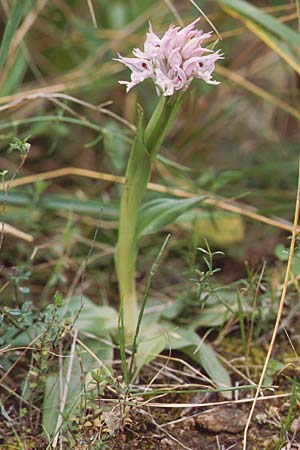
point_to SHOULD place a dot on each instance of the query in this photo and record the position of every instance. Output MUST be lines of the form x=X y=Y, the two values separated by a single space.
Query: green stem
x=160 y=122
x=138 y=172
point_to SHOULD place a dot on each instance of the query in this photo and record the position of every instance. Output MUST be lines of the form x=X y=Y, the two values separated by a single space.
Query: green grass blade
x=58 y=119
x=268 y=22
x=240 y=314
x=286 y=423
x=54 y=202
x=257 y=90
x=51 y=118
x=16 y=74
x=166 y=390
x=142 y=310
x=15 y=17
x=122 y=343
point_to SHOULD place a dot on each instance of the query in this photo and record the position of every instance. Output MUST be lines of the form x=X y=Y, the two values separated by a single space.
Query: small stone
x=223 y=418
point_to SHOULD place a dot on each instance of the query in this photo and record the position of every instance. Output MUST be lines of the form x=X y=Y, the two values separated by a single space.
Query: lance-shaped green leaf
x=191 y=344
x=92 y=318
x=205 y=355
x=74 y=389
x=156 y=214
x=149 y=348
x=51 y=404
x=52 y=395
x=138 y=168
x=109 y=211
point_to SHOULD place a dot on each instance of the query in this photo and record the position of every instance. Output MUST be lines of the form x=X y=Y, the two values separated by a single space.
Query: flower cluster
x=172 y=61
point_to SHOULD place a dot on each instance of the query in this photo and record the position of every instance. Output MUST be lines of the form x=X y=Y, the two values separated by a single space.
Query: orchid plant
x=172 y=62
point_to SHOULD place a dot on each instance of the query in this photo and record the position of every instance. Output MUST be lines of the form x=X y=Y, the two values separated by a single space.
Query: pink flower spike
x=190 y=27
x=172 y=61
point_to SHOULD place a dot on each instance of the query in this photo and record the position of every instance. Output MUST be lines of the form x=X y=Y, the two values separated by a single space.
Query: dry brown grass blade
x=280 y=309
x=272 y=9
x=20 y=35
x=240 y=30
x=205 y=405
x=90 y=70
x=92 y=13
x=8 y=229
x=258 y=91
x=56 y=96
x=19 y=397
x=50 y=88
x=71 y=81
x=232 y=207
x=265 y=36
x=174 y=11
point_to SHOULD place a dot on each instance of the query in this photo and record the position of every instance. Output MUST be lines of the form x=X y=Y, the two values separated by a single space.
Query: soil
x=198 y=428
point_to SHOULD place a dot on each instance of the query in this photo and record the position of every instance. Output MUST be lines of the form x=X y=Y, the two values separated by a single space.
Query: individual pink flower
x=172 y=61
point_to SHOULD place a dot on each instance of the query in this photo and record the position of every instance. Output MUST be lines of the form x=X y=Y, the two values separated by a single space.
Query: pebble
x=223 y=418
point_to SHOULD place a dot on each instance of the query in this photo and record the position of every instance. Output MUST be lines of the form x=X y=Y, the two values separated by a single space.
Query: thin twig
x=280 y=310
x=14 y=394
x=57 y=95
x=93 y=355
x=174 y=11
x=92 y=12
x=206 y=18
